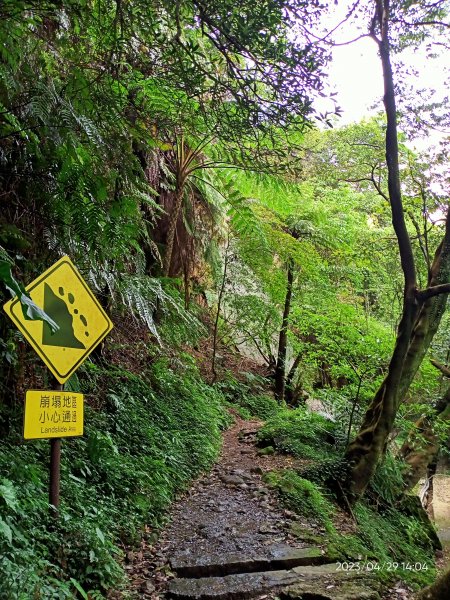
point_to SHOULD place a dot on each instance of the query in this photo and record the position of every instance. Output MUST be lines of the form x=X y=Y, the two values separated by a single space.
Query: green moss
x=299 y=531
x=266 y=451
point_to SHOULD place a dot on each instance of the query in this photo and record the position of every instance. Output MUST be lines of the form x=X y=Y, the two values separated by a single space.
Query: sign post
x=64 y=295
x=55 y=469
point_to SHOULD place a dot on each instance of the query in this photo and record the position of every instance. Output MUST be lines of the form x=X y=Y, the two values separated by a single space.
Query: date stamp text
x=369 y=566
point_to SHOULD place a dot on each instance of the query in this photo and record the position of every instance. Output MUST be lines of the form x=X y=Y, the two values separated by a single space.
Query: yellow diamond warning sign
x=64 y=295
x=52 y=414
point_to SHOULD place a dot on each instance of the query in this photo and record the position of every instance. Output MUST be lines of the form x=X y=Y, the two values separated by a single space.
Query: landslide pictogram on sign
x=64 y=295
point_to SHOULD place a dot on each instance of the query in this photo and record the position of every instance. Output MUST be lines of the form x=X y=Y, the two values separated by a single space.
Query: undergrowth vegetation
x=303 y=496
x=173 y=151
x=389 y=535
x=389 y=538
x=388 y=543
x=146 y=438
x=300 y=432
x=249 y=396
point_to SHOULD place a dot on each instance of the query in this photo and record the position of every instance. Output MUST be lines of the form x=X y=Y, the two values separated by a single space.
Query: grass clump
x=299 y=432
x=262 y=406
x=248 y=397
x=302 y=496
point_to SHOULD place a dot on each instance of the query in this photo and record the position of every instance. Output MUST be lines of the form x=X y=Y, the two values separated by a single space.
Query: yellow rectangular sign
x=53 y=414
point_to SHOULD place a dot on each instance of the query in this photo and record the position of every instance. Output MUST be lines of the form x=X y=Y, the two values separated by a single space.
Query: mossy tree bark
x=440 y=590
x=422 y=310
x=421 y=448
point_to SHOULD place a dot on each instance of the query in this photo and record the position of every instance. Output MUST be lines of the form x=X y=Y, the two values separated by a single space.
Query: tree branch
x=376 y=184
x=436 y=290
x=423 y=247
x=421 y=23
x=442 y=368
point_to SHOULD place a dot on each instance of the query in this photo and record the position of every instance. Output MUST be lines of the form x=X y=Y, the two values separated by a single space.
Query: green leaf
x=8 y=493
x=100 y=535
x=8 y=279
x=30 y=310
x=6 y=530
x=79 y=589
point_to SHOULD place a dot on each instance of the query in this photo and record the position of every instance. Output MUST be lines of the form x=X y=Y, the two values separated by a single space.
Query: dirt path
x=227 y=510
x=229 y=538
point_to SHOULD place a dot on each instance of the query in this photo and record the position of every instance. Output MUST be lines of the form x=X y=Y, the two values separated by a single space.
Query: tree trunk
x=280 y=368
x=365 y=451
x=368 y=447
x=172 y=228
x=430 y=313
x=418 y=454
x=219 y=305
x=420 y=315
x=187 y=290
x=182 y=167
x=355 y=402
x=422 y=445
x=440 y=590
x=289 y=388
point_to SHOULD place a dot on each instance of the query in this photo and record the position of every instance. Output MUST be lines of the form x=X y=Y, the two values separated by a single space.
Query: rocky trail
x=229 y=539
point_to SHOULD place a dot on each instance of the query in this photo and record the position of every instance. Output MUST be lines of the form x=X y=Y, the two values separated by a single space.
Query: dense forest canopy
x=176 y=152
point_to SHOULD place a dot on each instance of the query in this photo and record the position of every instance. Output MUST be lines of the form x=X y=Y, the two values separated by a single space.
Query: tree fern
x=236 y=208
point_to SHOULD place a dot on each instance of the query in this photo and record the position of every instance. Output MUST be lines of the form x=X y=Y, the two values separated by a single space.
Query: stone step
x=307 y=583
x=214 y=564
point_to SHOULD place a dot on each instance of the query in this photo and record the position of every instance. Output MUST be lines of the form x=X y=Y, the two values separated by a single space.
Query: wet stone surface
x=229 y=538
x=216 y=520
x=276 y=557
x=302 y=583
x=227 y=515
